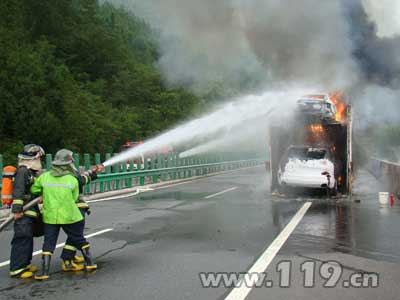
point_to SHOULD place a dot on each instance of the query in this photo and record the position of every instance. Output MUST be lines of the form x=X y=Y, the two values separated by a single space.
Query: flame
x=316 y=128
x=341 y=107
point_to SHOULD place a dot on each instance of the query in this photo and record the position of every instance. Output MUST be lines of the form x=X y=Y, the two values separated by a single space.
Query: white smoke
x=348 y=45
x=207 y=42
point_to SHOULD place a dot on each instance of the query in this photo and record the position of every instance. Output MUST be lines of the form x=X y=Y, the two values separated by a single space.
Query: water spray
x=232 y=114
x=230 y=138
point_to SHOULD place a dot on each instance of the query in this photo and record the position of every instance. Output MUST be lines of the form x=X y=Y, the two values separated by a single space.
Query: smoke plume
x=349 y=45
x=203 y=42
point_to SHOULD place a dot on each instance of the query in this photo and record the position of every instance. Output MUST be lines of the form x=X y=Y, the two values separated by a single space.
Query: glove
x=96 y=169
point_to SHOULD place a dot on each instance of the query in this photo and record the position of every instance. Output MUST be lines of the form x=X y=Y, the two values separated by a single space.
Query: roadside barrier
x=152 y=169
x=388 y=174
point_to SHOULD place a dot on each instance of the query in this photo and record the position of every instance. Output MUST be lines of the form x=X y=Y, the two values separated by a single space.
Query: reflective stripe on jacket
x=60 y=196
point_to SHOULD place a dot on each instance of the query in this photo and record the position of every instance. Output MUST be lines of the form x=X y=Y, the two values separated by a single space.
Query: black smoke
x=377 y=57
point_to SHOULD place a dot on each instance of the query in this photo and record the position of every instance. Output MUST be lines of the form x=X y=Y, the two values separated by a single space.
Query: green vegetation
x=77 y=74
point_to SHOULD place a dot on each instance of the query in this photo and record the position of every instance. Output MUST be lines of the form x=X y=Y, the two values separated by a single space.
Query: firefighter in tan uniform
x=22 y=243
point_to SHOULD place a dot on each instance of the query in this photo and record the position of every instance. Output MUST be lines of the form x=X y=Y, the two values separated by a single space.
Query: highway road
x=160 y=245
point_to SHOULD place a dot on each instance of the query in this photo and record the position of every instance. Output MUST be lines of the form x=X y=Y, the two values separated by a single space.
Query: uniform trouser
x=21 y=245
x=70 y=248
x=74 y=232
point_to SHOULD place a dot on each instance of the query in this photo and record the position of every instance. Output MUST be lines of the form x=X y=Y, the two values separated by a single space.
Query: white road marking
x=241 y=291
x=220 y=193
x=137 y=192
x=167 y=186
x=6 y=263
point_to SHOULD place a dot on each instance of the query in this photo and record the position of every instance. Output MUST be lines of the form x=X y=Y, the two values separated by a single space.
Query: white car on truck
x=307 y=167
x=317 y=108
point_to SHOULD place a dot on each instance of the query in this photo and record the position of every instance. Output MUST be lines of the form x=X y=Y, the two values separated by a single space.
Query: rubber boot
x=29 y=272
x=26 y=274
x=89 y=263
x=33 y=268
x=78 y=259
x=71 y=266
x=44 y=272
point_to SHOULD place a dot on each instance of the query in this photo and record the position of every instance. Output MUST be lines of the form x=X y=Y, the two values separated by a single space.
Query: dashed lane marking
x=220 y=193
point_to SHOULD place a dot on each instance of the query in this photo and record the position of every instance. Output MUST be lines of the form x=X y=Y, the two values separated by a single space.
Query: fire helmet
x=31 y=151
x=63 y=157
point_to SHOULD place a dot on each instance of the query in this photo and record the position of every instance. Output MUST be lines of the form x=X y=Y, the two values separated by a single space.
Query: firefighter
x=29 y=165
x=59 y=188
x=70 y=261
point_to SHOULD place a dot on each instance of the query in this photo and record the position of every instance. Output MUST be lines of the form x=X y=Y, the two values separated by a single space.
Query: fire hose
x=10 y=219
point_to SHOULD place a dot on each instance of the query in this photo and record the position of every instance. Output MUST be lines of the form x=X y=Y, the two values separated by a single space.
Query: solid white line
x=137 y=192
x=6 y=263
x=220 y=193
x=241 y=291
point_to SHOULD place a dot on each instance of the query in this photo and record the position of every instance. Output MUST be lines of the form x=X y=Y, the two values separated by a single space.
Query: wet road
x=159 y=241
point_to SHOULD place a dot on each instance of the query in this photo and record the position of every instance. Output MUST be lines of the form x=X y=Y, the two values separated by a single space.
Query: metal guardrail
x=154 y=169
x=116 y=181
x=388 y=174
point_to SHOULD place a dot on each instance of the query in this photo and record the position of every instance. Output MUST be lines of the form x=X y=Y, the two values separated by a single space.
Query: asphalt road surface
x=159 y=244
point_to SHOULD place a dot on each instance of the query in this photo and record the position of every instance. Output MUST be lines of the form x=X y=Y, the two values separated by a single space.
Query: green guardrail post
x=190 y=163
x=178 y=164
x=142 y=179
x=86 y=162
x=174 y=164
x=124 y=170
x=132 y=168
x=201 y=162
x=48 y=161
x=116 y=170
x=164 y=165
x=108 y=171
x=129 y=167
x=185 y=164
x=97 y=161
x=153 y=167
x=76 y=161
x=168 y=165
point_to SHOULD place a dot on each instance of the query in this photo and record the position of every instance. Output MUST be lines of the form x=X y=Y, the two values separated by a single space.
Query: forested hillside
x=81 y=75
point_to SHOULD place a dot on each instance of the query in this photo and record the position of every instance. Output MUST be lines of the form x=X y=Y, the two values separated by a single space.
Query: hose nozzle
x=98 y=168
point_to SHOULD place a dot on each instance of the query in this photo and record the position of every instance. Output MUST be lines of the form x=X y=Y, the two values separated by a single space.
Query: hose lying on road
x=10 y=219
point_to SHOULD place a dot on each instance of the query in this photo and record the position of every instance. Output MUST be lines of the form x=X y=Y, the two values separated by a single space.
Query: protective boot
x=29 y=272
x=33 y=268
x=26 y=274
x=89 y=263
x=78 y=259
x=44 y=272
x=71 y=266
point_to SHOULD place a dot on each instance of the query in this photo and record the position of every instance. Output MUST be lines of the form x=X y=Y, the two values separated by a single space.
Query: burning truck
x=313 y=150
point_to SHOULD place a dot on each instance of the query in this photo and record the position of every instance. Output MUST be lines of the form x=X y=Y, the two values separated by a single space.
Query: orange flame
x=316 y=128
x=341 y=107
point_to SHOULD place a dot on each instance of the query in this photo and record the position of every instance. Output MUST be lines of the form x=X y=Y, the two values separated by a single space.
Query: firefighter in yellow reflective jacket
x=22 y=243
x=60 y=191
x=70 y=261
